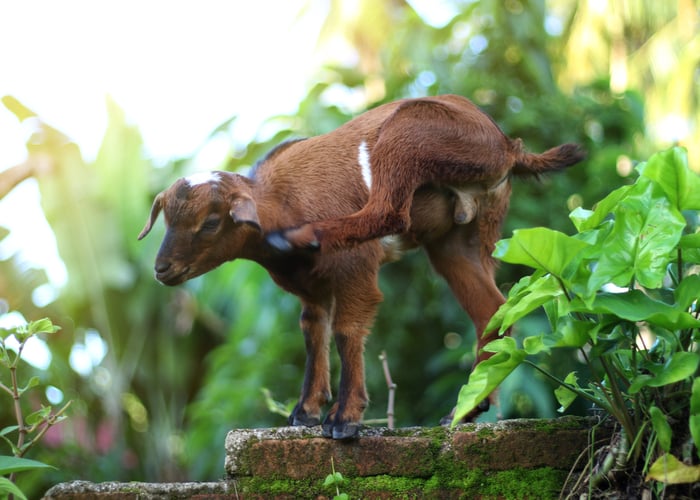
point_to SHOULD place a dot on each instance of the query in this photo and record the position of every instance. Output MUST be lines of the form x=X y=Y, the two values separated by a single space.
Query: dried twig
x=392 y=390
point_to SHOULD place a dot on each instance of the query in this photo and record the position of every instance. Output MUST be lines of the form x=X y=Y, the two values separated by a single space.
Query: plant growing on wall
x=625 y=292
x=30 y=428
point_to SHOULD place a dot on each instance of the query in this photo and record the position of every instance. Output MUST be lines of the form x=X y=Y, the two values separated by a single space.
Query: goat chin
x=322 y=214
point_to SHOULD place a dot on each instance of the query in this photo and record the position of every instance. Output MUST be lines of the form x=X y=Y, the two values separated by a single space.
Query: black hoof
x=348 y=430
x=299 y=418
x=340 y=431
x=327 y=430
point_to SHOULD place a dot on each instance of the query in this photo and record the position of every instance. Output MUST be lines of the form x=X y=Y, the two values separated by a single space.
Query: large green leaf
x=487 y=375
x=589 y=219
x=542 y=249
x=524 y=301
x=636 y=306
x=679 y=366
x=646 y=232
x=9 y=464
x=670 y=170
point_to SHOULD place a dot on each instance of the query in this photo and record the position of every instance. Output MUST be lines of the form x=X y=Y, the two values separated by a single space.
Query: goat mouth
x=171 y=277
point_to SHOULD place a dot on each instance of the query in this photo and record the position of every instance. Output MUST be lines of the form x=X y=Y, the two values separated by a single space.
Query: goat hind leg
x=471 y=281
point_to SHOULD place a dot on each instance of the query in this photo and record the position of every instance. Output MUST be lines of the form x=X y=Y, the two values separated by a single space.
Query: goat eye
x=210 y=225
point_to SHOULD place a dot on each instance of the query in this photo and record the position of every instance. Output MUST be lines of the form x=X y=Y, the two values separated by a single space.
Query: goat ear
x=244 y=211
x=155 y=210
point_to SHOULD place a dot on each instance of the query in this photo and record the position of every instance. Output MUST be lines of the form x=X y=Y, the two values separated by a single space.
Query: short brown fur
x=440 y=179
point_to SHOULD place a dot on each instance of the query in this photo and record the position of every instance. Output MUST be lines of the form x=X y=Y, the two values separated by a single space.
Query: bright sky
x=178 y=68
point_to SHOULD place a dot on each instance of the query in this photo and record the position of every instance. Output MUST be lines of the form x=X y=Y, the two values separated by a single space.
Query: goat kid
x=430 y=172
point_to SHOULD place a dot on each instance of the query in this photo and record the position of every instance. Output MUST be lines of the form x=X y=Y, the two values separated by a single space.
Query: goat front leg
x=386 y=212
x=356 y=305
x=344 y=419
x=316 y=392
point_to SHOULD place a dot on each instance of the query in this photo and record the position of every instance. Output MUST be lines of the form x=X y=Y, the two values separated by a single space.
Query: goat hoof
x=277 y=241
x=347 y=430
x=340 y=431
x=327 y=429
x=299 y=418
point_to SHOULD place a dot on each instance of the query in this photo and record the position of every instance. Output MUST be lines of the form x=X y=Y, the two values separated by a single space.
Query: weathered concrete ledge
x=509 y=459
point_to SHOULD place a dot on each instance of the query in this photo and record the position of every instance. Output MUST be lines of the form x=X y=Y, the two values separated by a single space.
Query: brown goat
x=322 y=214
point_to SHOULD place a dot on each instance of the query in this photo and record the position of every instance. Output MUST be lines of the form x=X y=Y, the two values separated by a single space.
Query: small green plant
x=29 y=429
x=625 y=292
x=335 y=479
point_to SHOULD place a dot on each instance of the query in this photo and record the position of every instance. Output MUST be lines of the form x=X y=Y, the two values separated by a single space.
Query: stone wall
x=509 y=459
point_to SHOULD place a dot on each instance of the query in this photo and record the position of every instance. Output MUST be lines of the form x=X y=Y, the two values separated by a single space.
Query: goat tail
x=557 y=158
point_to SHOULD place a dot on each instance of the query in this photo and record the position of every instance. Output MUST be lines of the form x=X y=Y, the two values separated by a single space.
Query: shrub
x=623 y=291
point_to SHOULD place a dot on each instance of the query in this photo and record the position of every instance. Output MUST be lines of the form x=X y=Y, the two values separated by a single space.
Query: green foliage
x=30 y=428
x=640 y=339
x=335 y=480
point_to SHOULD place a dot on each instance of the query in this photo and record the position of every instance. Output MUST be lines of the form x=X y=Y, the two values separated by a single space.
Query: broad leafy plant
x=31 y=428
x=625 y=292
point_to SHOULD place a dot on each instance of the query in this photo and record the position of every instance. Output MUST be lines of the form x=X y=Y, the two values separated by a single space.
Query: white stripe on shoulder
x=363 y=160
x=202 y=178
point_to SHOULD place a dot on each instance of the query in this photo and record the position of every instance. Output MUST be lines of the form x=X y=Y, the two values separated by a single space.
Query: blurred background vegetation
x=177 y=368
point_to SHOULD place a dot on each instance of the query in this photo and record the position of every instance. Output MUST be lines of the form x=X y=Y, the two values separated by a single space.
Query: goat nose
x=162 y=266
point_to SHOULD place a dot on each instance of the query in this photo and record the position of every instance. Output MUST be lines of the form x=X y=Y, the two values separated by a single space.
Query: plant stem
x=18 y=408
x=6 y=389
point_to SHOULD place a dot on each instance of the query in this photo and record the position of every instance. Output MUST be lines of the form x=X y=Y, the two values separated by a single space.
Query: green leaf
x=534 y=345
x=39 y=415
x=8 y=465
x=6 y=430
x=669 y=470
x=523 y=301
x=688 y=291
x=669 y=169
x=487 y=375
x=690 y=246
x=689 y=241
x=7 y=486
x=43 y=325
x=645 y=233
x=694 y=420
x=543 y=249
x=564 y=395
x=636 y=306
x=659 y=422
x=329 y=481
x=33 y=382
x=679 y=366
x=574 y=333
x=584 y=220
